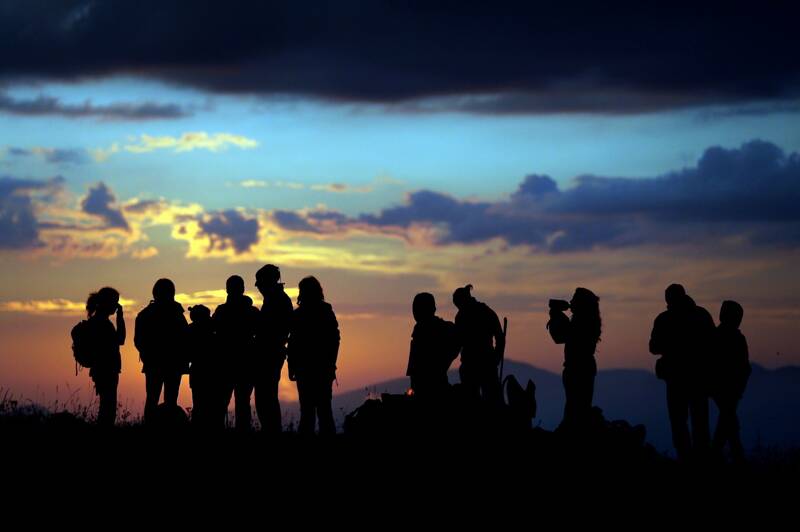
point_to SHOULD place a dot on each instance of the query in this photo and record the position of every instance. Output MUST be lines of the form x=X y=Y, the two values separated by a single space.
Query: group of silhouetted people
x=233 y=352
x=240 y=349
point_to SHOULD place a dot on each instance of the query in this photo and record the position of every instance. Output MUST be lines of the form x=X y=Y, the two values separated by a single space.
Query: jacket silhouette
x=160 y=337
x=104 y=341
x=235 y=323
x=312 y=354
x=434 y=346
x=580 y=336
x=272 y=333
x=730 y=372
x=206 y=372
x=683 y=336
x=482 y=342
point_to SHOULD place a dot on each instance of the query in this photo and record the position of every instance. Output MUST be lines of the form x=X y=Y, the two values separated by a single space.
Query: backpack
x=82 y=345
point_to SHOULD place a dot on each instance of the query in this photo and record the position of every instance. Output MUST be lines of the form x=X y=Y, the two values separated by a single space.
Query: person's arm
x=499 y=337
x=656 y=341
x=558 y=326
x=120 y=326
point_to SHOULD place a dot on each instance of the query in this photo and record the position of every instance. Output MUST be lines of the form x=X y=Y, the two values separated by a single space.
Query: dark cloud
x=293 y=221
x=19 y=227
x=498 y=57
x=230 y=228
x=52 y=155
x=143 y=206
x=100 y=202
x=50 y=106
x=751 y=192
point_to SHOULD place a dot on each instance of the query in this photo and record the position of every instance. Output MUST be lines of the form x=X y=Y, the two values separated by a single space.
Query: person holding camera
x=579 y=335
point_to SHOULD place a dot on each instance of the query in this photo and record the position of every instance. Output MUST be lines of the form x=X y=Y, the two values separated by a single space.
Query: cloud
x=101 y=155
x=507 y=57
x=334 y=188
x=50 y=106
x=341 y=188
x=58 y=306
x=750 y=193
x=19 y=225
x=99 y=202
x=196 y=140
x=229 y=228
x=51 y=155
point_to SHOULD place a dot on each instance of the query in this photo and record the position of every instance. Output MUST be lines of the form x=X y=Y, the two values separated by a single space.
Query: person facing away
x=682 y=335
x=235 y=324
x=160 y=337
x=271 y=335
x=731 y=370
x=434 y=346
x=105 y=340
x=580 y=335
x=312 y=353
x=208 y=406
x=482 y=343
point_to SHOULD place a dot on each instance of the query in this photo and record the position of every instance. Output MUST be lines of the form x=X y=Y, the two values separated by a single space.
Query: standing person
x=482 y=344
x=579 y=335
x=434 y=346
x=160 y=337
x=731 y=370
x=312 y=353
x=208 y=388
x=103 y=340
x=682 y=335
x=235 y=324
x=272 y=333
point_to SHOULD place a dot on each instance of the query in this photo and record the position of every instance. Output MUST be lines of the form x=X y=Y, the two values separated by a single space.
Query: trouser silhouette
x=480 y=379
x=727 y=430
x=105 y=386
x=154 y=381
x=685 y=400
x=268 y=406
x=315 y=402
x=578 y=390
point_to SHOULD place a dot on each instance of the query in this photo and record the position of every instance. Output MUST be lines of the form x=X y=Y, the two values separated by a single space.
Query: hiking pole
x=503 y=352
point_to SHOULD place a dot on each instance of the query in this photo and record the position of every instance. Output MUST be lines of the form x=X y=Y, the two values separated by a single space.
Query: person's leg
x=470 y=383
x=242 y=392
x=678 y=406
x=172 y=386
x=152 y=382
x=106 y=388
x=324 y=395
x=490 y=386
x=698 y=406
x=721 y=430
x=268 y=406
x=737 y=449
x=305 y=390
x=570 y=400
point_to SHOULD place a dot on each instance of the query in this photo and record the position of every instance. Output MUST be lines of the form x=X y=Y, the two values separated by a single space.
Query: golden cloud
x=194 y=140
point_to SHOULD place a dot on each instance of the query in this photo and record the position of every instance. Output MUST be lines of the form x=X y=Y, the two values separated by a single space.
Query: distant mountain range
x=768 y=412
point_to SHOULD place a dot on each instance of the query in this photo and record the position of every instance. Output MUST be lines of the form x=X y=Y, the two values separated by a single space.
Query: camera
x=559 y=305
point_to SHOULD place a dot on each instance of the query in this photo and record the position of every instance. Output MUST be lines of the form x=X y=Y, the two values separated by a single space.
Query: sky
x=392 y=148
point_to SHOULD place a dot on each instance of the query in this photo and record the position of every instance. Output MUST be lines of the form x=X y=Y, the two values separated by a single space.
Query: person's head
x=164 y=291
x=267 y=277
x=234 y=286
x=310 y=291
x=103 y=303
x=199 y=313
x=423 y=307
x=585 y=307
x=462 y=296
x=731 y=314
x=675 y=295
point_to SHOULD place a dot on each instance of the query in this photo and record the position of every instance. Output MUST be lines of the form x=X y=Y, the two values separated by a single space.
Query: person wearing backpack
x=161 y=338
x=97 y=346
x=434 y=346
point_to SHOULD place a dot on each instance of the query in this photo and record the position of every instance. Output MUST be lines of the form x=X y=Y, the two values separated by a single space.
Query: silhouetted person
x=272 y=333
x=682 y=335
x=104 y=341
x=434 y=346
x=312 y=352
x=160 y=337
x=579 y=335
x=206 y=372
x=235 y=323
x=730 y=371
x=482 y=343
